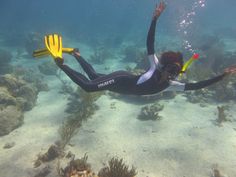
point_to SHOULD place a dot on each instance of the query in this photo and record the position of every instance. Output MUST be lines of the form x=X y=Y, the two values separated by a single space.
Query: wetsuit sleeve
x=203 y=84
x=153 y=60
x=151 y=37
x=150 y=44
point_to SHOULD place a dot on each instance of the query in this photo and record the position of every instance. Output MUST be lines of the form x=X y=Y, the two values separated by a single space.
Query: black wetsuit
x=126 y=83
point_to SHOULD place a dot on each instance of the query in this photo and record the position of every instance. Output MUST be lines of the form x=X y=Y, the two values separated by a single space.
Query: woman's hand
x=230 y=70
x=159 y=9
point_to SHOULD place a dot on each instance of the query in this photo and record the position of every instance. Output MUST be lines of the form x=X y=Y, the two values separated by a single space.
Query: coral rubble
x=150 y=112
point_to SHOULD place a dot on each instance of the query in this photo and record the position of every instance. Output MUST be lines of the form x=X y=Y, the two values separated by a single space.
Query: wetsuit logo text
x=106 y=83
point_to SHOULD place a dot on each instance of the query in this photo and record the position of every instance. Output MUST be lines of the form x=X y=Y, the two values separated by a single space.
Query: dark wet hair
x=172 y=62
x=170 y=57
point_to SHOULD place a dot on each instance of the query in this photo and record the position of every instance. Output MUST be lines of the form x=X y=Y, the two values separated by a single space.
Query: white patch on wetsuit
x=154 y=64
x=175 y=86
x=103 y=84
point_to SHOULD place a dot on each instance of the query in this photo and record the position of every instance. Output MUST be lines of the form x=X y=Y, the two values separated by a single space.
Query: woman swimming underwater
x=161 y=76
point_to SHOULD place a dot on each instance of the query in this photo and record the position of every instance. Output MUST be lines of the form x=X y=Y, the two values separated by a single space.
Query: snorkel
x=188 y=63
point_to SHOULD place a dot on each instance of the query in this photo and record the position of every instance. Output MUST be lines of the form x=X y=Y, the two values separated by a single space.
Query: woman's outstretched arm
x=150 y=45
x=202 y=84
x=151 y=33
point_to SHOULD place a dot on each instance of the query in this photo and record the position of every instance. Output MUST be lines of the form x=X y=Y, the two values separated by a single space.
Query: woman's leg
x=120 y=81
x=78 y=78
x=92 y=74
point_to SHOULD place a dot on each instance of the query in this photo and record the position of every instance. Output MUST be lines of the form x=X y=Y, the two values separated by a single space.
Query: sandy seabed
x=185 y=142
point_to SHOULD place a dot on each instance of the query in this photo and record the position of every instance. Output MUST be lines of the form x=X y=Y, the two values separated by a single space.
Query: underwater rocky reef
x=16 y=96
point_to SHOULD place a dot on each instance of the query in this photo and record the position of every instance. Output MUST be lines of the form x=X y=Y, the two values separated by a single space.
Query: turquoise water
x=171 y=134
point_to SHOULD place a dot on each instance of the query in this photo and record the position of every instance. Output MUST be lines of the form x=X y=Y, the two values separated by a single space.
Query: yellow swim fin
x=67 y=50
x=45 y=52
x=53 y=43
x=41 y=53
